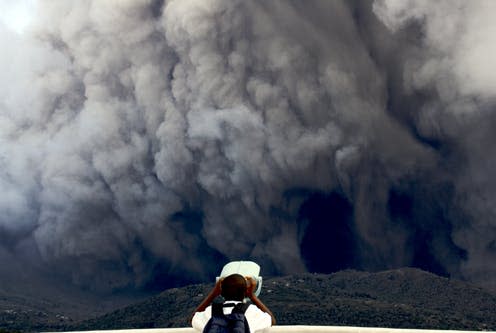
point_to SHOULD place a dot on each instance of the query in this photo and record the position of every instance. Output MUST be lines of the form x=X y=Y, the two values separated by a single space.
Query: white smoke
x=460 y=37
x=120 y=117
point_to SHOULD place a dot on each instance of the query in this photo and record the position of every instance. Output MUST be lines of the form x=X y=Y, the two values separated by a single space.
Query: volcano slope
x=402 y=298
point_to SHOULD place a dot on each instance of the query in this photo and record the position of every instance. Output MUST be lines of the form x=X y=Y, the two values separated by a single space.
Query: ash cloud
x=145 y=142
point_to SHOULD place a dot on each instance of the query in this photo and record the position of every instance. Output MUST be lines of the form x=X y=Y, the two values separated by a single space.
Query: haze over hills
x=28 y=304
x=403 y=298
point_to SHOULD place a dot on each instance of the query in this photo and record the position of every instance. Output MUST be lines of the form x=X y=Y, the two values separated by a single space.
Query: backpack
x=235 y=322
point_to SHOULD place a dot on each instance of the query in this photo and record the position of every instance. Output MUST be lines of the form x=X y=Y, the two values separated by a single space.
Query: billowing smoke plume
x=146 y=142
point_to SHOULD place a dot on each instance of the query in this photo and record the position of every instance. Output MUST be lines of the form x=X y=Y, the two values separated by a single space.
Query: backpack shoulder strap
x=240 y=308
x=217 y=310
x=219 y=322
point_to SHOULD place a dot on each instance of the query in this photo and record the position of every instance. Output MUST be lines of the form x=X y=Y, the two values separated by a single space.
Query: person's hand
x=251 y=285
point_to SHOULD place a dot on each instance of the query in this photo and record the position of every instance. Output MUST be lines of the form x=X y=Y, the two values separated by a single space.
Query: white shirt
x=257 y=319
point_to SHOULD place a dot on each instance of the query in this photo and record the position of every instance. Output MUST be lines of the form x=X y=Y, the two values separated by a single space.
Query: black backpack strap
x=240 y=308
x=217 y=310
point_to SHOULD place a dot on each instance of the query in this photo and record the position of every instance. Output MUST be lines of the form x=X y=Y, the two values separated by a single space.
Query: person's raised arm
x=251 y=284
x=209 y=299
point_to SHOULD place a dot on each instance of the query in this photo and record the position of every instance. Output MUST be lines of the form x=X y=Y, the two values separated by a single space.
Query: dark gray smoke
x=143 y=143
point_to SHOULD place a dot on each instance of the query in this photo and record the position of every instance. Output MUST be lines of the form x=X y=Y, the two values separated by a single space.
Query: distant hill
x=27 y=313
x=403 y=298
x=34 y=305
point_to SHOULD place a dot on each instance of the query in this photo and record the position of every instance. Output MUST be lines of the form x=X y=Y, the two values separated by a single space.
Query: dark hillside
x=404 y=298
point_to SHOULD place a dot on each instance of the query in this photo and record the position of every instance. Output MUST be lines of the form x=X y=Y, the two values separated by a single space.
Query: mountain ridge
x=400 y=298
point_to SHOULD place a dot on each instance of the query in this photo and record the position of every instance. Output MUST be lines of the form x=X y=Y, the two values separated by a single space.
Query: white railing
x=290 y=329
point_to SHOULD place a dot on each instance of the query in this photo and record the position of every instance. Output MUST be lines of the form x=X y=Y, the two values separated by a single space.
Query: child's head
x=233 y=287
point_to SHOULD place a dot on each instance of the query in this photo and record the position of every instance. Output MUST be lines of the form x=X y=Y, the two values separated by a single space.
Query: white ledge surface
x=291 y=329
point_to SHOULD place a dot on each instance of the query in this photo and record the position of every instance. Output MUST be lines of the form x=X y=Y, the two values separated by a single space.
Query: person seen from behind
x=230 y=311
